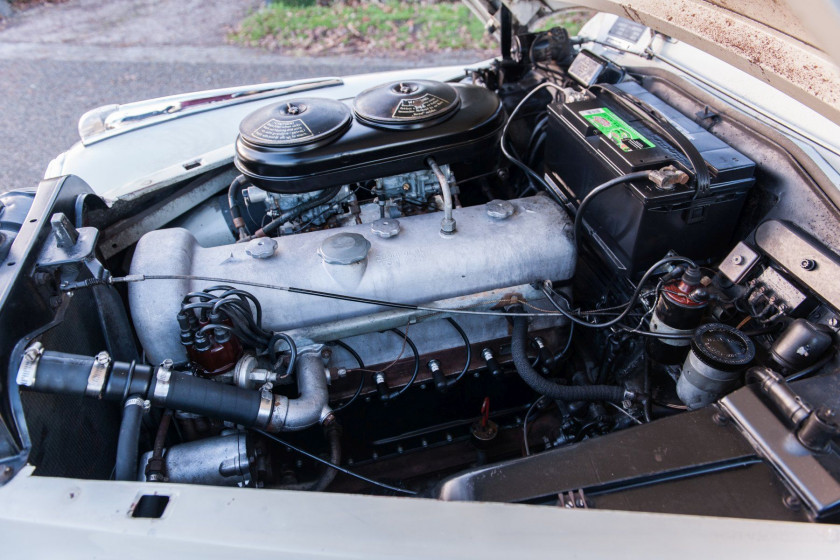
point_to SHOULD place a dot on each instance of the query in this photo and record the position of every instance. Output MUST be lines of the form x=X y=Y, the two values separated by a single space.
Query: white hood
x=793 y=45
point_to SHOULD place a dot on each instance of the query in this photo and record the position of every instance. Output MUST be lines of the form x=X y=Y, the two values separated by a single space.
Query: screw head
x=737 y=259
x=792 y=502
x=808 y=264
x=833 y=322
x=720 y=419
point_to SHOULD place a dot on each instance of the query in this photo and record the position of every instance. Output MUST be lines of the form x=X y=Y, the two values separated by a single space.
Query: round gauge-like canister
x=406 y=104
x=295 y=123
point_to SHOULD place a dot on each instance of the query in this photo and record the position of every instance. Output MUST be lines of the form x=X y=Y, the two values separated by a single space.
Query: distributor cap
x=406 y=104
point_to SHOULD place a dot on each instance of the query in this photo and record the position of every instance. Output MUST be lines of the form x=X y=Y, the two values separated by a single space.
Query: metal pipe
x=447 y=224
x=311 y=407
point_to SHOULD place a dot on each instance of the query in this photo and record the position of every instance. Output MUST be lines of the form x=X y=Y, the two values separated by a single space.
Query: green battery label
x=610 y=125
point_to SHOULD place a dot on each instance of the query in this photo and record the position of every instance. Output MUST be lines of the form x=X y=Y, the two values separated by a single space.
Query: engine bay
x=556 y=281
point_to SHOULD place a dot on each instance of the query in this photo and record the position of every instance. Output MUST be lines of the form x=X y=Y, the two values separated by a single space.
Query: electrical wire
x=513 y=159
x=810 y=369
x=275 y=338
x=650 y=271
x=525 y=424
x=347 y=348
x=333 y=466
x=468 y=346
x=416 y=363
x=587 y=200
x=624 y=412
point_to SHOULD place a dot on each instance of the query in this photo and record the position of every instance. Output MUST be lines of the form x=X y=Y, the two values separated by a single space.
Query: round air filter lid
x=407 y=104
x=296 y=122
x=722 y=347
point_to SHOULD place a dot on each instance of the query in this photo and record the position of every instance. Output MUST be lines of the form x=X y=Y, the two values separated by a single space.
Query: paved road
x=58 y=61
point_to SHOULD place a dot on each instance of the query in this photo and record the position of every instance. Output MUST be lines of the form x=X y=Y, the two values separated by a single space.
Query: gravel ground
x=59 y=60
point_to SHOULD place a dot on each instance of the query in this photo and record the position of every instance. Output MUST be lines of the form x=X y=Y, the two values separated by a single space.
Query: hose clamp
x=136 y=401
x=266 y=406
x=162 y=377
x=98 y=375
x=29 y=365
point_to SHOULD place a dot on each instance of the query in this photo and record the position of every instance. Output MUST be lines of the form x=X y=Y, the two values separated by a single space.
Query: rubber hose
x=128 y=439
x=543 y=386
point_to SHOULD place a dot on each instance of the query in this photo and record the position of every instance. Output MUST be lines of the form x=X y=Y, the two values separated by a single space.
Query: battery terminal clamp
x=668 y=177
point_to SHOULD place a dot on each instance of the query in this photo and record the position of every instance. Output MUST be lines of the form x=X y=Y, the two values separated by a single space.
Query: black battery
x=635 y=224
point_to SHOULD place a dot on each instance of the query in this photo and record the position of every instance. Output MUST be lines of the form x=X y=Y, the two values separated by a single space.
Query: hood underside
x=789 y=44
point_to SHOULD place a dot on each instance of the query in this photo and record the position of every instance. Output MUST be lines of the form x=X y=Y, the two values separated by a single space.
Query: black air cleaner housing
x=309 y=144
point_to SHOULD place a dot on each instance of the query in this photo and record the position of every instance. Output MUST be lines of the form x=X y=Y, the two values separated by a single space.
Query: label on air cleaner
x=622 y=134
x=275 y=130
x=423 y=106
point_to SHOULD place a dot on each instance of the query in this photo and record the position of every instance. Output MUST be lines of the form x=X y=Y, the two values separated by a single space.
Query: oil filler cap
x=344 y=248
x=296 y=123
x=406 y=104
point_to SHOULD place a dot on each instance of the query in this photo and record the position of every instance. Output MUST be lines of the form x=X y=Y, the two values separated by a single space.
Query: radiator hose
x=128 y=439
x=543 y=386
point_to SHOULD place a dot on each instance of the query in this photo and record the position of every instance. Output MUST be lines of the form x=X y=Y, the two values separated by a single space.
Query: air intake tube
x=543 y=386
x=99 y=377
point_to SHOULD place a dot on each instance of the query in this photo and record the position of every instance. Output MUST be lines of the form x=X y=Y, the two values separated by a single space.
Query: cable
x=624 y=412
x=810 y=369
x=640 y=108
x=595 y=192
x=416 y=363
x=235 y=211
x=571 y=330
x=452 y=381
x=525 y=424
x=292 y=350
x=146 y=277
x=336 y=467
x=361 y=370
x=650 y=271
x=511 y=157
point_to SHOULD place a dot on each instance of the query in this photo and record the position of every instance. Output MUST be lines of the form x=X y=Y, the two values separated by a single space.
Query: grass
x=387 y=25
x=572 y=19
